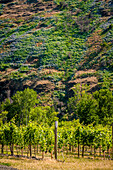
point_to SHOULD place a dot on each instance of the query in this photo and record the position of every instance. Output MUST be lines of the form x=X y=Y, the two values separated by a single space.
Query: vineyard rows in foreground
x=71 y=136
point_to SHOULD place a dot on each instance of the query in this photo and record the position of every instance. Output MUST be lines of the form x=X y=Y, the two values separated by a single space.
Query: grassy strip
x=6 y=164
x=47 y=163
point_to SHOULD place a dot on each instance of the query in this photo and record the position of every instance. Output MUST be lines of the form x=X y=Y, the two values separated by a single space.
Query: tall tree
x=104 y=98
x=23 y=102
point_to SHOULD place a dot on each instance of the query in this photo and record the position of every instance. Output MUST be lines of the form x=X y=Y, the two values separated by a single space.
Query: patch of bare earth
x=89 y=80
x=22 y=9
x=49 y=71
x=85 y=80
x=43 y=85
x=7 y=72
x=78 y=73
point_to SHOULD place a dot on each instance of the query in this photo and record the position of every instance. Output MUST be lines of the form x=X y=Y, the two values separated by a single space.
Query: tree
x=87 y=109
x=43 y=114
x=23 y=102
x=4 y=107
x=96 y=107
x=104 y=99
x=3 y=117
x=2 y=138
x=29 y=135
x=11 y=135
x=83 y=105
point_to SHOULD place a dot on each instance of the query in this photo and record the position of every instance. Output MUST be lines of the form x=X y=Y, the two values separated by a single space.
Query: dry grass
x=79 y=73
x=48 y=164
x=91 y=80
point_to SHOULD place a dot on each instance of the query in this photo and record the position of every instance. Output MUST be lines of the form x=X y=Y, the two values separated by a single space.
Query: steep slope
x=50 y=45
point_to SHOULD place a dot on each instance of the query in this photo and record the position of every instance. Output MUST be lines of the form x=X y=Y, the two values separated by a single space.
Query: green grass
x=6 y=164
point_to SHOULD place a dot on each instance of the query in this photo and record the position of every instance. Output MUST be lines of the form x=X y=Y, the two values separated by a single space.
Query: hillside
x=51 y=45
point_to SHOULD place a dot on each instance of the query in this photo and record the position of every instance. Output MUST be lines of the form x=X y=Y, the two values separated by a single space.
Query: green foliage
x=43 y=114
x=104 y=98
x=96 y=107
x=23 y=102
x=1 y=9
x=2 y=135
x=25 y=108
x=11 y=133
x=6 y=164
x=69 y=133
x=87 y=109
x=59 y=42
x=29 y=135
x=3 y=117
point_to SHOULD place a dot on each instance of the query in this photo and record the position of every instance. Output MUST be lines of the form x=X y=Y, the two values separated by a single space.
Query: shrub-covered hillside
x=51 y=45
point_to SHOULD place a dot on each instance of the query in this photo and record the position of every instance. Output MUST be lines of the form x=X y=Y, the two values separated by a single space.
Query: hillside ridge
x=51 y=45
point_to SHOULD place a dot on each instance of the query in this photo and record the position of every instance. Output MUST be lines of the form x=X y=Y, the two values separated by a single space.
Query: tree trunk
x=70 y=148
x=94 y=152
x=104 y=154
x=83 y=151
x=30 y=149
x=109 y=152
x=78 y=148
x=2 y=149
x=100 y=151
x=22 y=151
x=27 y=151
x=42 y=155
x=91 y=150
x=86 y=149
x=12 y=149
x=51 y=154
x=37 y=149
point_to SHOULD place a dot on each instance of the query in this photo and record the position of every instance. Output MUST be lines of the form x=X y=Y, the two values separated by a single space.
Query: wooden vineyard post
x=83 y=150
x=112 y=140
x=30 y=149
x=22 y=151
x=99 y=150
x=42 y=155
x=2 y=148
x=94 y=152
x=70 y=148
x=56 y=126
x=78 y=148
x=37 y=149
x=51 y=154
x=104 y=154
x=78 y=144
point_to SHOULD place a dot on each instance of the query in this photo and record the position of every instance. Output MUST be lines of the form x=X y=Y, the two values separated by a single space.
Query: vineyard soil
x=70 y=163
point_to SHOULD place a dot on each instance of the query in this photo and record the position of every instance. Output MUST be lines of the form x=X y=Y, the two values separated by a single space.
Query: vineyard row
x=71 y=136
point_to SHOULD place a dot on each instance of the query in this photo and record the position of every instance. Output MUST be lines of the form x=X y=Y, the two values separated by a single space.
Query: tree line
x=95 y=107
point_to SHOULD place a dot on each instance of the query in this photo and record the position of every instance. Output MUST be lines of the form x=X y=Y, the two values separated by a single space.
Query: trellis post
x=56 y=126
x=112 y=140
